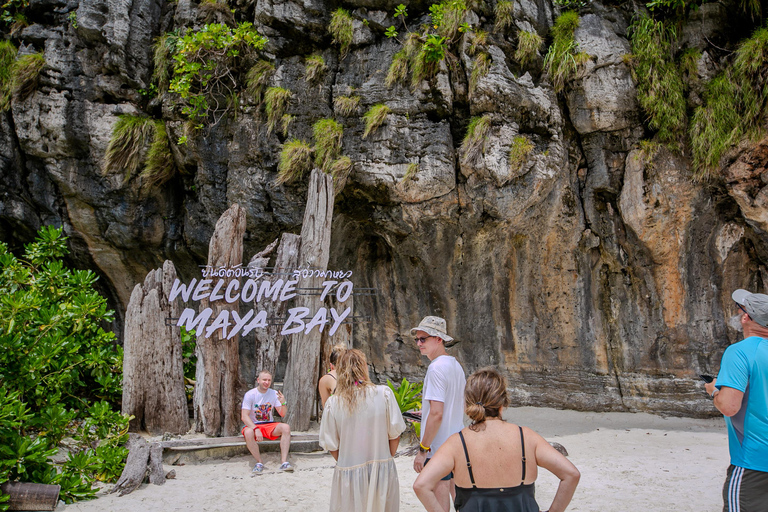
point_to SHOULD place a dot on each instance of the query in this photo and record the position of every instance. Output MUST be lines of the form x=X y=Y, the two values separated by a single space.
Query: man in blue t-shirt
x=740 y=392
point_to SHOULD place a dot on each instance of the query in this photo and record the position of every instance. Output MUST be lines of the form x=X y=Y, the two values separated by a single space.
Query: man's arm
x=726 y=399
x=434 y=420
x=246 y=418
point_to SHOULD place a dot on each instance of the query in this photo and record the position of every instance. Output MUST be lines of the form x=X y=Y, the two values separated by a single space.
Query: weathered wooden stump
x=31 y=496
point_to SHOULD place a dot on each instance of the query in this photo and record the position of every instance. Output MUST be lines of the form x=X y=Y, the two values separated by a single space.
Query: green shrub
x=407 y=394
x=25 y=73
x=689 y=63
x=447 y=17
x=528 y=46
x=345 y=106
x=473 y=144
x=479 y=40
x=295 y=160
x=7 y=56
x=59 y=372
x=563 y=59
x=161 y=166
x=129 y=138
x=519 y=150
x=275 y=103
x=341 y=30
x=505 y=15
x=257 y=78
x=327 y=134
x=162 y=59
x=480 y=69
x=374 y=118
x=315 y=68
x=205 y=64
x=660 y=88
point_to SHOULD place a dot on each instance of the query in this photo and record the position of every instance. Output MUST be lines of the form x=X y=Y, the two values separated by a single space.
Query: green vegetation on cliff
x=126 y=150
x=473 y=145
x=341 y=28
x=345 y=106
x=327 y=134
x=528 y=46
x=275 y=103
x=295 y=160
x=7 y=55
x=314 y=69
x=563 y=59
x=374 y=118
x=25 y=73
x=60 y=373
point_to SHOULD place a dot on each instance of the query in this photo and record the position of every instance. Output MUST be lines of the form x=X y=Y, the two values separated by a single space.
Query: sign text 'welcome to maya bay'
x=224 y=284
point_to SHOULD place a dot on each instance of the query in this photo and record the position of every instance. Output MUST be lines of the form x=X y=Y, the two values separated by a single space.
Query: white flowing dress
x=365 y=478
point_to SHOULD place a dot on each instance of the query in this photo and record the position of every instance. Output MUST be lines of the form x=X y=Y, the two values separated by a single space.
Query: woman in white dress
x=361 y=427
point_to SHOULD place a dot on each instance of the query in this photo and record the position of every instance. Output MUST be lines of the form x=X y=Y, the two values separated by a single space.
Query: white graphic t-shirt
x=261 y=405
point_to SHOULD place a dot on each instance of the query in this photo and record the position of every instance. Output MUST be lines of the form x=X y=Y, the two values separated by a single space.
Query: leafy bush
x=519 y=150
x=327 y=134
x=660 y=89
x=59 y=372
x=204 y=67
x=275 y=103
x=295 y=160
x=25 y=73
x=341 y=29
x=563 y=59
x=474 y=141
x=345 y=106
x=7 y=55
x=528 y=46
x=314 y=69
x=374 y=118
x=407 y=394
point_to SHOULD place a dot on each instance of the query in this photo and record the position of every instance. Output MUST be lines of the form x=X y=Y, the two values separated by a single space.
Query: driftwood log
x=31 y=496
x=268 y=340
x=303 y=363
x=217 y=387
x=153 y=370
x=135 y=466
x=156 y=471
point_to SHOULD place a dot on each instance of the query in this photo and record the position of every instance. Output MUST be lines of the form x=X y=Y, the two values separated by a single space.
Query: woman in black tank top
x=494 y=463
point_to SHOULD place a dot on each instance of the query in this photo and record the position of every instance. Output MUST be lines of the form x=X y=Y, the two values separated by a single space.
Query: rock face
x=594 y=270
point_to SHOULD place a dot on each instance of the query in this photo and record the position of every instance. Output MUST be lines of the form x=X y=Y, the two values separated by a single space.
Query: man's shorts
x=266 y=430
x=446 y=477
x=745 y=490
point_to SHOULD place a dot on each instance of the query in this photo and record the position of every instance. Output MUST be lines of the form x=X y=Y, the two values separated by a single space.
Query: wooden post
x=217 y=388
x=268 y=340
x=304 y=359
x=153 y=370
x=31 y=496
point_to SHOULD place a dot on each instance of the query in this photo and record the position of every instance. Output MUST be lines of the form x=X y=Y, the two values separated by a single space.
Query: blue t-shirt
x=745 y=367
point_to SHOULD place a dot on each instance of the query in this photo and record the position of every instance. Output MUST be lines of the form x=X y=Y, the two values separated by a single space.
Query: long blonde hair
x=352 y=379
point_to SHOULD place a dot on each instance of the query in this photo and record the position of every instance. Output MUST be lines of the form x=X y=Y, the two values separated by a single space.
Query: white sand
x=628 y=462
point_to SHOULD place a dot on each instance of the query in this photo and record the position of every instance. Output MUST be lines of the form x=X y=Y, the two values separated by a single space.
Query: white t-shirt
x=261 y=405
x=444 y=383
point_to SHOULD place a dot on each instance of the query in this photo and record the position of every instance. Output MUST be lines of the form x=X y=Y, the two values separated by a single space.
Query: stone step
x=183 y=451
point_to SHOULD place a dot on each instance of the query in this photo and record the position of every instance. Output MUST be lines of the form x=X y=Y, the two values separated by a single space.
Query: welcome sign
x=224 y=284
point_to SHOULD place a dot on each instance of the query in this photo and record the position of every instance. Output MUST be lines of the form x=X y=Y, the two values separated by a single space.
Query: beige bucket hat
x=434 y=326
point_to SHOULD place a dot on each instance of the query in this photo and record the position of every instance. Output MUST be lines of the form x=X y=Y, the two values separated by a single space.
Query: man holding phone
x=740 y=392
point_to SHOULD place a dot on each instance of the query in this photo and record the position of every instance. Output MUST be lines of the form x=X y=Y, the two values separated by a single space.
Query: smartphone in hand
x=706 y=378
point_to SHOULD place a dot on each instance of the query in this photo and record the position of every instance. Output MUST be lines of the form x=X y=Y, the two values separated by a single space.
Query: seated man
x=257 y=414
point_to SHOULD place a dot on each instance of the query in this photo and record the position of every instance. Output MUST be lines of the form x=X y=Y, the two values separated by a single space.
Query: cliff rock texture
x=589 y=265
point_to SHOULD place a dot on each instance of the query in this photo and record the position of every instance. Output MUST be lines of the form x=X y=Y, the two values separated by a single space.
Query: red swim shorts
x=266 y=430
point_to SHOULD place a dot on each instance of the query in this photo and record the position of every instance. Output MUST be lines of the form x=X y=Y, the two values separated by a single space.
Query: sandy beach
x=628 y=462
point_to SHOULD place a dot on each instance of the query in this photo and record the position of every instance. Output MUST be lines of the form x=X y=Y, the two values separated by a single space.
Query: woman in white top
x=361 y=427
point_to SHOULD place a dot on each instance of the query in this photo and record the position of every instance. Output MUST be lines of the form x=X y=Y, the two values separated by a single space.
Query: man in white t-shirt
x=443 y=398
x=257 y=413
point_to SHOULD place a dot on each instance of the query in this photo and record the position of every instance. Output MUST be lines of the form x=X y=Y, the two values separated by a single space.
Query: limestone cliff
x=596 y=271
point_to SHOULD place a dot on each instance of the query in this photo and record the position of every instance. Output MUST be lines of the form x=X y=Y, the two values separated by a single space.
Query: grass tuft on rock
x=519 y=150
x=257 y=78
x=162 y=59
x=528 y=46
x=7 y=56
x=275 y=102
x=340 y=170
x=660 y=87
x=480 y=69
x=327 y=134
x=374 y=118
x=216 y=11
x=160 y=166
x=505 y=15
x=129 y=138
x=341 y=29
x=398 y=69
x=315 y=68
x=473 y=145
x=563 y=59
x=410 y=172
x=295 y=161
x=25 y=74
x=479 y=39
x=345 y=106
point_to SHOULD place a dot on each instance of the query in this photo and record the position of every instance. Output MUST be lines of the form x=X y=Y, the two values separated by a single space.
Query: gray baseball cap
x=755 y=304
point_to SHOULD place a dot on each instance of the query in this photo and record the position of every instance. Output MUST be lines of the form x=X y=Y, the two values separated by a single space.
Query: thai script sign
x=223 y=284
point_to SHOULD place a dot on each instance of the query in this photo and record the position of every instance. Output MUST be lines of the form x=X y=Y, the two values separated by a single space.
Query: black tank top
x=486 y=499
